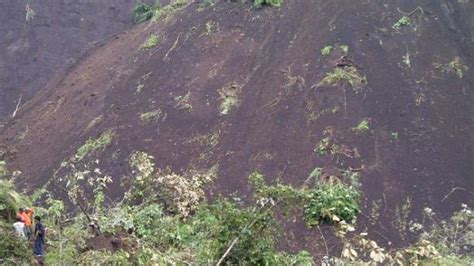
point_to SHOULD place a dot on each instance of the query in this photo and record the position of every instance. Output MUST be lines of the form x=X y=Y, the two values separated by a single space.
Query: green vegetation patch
x=183 y=102
x=94 y=144
x=3 y=169
x=151 y=42
x=206 y=3
x=362 y=128
x=402 y=22
x=260 y=3
x=326 y=50
x=152 y=116
x=331 y=203
x=456 y=66
x=348 y=74
x=344 y=48
x=10 y=200
x=229 y=97
x=143 y=12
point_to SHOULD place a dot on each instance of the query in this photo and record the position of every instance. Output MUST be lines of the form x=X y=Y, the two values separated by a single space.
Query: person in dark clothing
x=39 y=237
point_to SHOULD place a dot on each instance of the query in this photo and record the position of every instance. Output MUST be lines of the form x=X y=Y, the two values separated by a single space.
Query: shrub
x=259 y=3
x=330 y=203
x=362 y=128
x=3 y=169
x=326 y=50
x=94 y=144
x=402 y=22
x=348 y=74
x=143 y=12
x=10 y=201
x=13 y=250
x=151 y=42
x=147 y=219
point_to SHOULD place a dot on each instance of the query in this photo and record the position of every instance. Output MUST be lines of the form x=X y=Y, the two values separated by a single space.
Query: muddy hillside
x=383 y=89
x=41 y=39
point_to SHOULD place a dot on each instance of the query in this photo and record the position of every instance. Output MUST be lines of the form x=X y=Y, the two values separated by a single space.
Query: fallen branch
x=172 y=48
x=17 y=106
x=244 y=229
x=412 y=12
x=452 y=191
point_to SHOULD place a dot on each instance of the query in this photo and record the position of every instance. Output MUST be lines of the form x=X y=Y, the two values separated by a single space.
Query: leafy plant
x=30 y=13
x=143 y=12
x=151 y=42
x=326 y=50
x=362 y=128
x=402 y=22
x=276 y=3
x=456 y=66
x=394 y=135
x=344 y=74
x=152 y=116
x=344 y=48
x=229 y=97
x=10 y=201
x=183 y=102
x=3 y=169
x=13 y=251
x=94 y=144
x=329 y=203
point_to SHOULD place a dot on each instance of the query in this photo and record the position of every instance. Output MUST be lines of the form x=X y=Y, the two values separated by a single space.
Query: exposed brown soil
x=33 y=51
x=109 y=242
x=419 y=145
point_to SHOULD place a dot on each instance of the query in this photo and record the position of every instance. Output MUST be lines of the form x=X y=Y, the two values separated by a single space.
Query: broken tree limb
x=17 y=106
x=250 y=225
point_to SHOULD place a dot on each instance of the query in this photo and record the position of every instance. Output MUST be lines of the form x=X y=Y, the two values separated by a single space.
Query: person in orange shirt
x=28 y=223
x=26 y=219
x=19 y=214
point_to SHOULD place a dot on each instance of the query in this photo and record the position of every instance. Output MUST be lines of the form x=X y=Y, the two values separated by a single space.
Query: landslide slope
x=245 y=89
x=35 y=48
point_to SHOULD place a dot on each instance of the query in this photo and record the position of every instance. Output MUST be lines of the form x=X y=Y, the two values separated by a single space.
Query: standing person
x=19 y=214
x=28 y=222
x=39 y=237
x=19 y=227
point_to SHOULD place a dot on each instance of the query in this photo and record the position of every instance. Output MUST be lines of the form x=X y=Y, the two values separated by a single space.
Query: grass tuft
x=345 y=74
x=94 y=144
x=151 y=42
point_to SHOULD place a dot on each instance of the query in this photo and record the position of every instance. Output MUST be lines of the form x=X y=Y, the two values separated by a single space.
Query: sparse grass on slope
x=94 y=144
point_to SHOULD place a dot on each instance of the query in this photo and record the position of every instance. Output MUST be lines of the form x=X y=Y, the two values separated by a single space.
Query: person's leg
x=41 y=244
x=37 y=247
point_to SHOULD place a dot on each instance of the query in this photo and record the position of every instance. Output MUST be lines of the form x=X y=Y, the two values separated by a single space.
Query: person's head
x=21 y=210
x=37 y=219
x=18 y=219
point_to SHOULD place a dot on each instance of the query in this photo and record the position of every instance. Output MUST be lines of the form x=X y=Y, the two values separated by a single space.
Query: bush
x=259 y=3
x=13 y=250
x=10 y=201
x=142 y=12
x=330 y=203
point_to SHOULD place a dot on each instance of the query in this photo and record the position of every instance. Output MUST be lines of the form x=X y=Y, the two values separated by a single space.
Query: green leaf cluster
x=276 y=3
x=330 y=203
x=94 y=144
x=151 y=42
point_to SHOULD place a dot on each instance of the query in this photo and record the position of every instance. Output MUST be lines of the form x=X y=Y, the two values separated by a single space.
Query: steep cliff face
x=382 y=88
x=34 y=48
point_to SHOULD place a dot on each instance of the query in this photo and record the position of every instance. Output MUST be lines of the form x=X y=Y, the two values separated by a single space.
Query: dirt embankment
x=243 y=89
x=35 y=48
